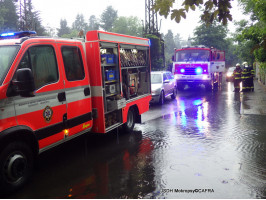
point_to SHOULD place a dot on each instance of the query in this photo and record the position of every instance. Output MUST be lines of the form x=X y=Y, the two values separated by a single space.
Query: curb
x=262 y=85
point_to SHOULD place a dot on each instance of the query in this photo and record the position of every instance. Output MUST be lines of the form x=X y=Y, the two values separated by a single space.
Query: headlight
x=204 y=77
x=198 y=70
x=229 y=74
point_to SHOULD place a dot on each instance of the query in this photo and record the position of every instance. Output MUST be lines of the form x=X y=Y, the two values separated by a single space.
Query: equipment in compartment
x=116 y=104
x=133 y=83
x=108 y=59
x=110 y=89
x=110 y=75
x=132 y=57
x=111 y=119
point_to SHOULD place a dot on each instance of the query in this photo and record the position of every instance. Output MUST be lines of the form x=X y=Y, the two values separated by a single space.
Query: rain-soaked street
x=200 y=145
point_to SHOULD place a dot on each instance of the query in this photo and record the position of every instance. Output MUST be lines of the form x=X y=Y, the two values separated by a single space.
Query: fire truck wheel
x=131 y=120
x=162 y=98
x=16 y=164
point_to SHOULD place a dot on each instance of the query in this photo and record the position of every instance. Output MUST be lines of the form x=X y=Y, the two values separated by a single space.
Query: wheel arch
x=136 y=110
x=20 y=133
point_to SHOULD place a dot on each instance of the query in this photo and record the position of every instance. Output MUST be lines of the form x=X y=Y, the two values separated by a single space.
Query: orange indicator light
x=66 y=132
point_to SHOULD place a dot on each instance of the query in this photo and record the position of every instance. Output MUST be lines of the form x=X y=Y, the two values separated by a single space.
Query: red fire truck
x=53 y=90
x=198 y=65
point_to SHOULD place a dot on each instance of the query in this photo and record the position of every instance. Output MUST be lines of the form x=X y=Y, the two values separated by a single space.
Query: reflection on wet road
x=200 y=145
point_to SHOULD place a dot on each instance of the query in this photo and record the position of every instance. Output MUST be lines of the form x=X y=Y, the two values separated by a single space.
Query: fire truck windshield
x=7 y=54
x=192 y=55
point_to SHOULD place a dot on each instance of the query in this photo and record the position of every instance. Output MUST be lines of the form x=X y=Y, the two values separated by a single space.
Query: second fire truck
x=53 y=90
x=198 y=65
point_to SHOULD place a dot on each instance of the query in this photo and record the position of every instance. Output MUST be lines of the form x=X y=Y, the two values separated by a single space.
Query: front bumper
x=187 y=81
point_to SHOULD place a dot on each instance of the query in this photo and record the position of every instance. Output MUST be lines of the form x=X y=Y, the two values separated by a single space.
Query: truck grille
x=190 y=71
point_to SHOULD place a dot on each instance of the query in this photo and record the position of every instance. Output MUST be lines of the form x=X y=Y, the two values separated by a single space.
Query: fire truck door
x=77 y=90
x=44 y=112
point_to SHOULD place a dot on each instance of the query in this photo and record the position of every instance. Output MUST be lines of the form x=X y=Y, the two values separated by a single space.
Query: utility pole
x=151 y=19
x=151 y=30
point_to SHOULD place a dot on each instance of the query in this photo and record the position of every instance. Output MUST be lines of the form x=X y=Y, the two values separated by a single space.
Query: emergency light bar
x=20 y=34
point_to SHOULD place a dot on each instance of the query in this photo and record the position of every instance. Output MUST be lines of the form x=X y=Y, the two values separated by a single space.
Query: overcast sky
x=52 y=11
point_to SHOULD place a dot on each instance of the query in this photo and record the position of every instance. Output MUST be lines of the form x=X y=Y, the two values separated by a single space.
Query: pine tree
x=64 y=29
x=108 y=18
x=28 y=18
x=79 y=24
x=93 y=23
x=8 y=16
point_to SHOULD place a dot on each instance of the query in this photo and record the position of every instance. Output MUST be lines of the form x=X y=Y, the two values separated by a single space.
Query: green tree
x=178 y=41
x=108 y=18
x=156 y=52
x=215 y=35
x=212 y=9
x=8 y=16
x=79 y=24
x=72 y=34
x=3 y=11
x=64 y=29
x=169 y=43
x=244 y=47
x=128 y=25
x=169 y=46
x=93 y=23
x=251 y=37
x=28 y=18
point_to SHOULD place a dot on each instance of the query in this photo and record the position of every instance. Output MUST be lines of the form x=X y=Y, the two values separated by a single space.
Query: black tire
x=161 y=98
x=16 y=165
x=173 y=96
x=131 y=120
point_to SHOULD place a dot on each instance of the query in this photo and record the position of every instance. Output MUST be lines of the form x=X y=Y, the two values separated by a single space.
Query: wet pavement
x=200 y=145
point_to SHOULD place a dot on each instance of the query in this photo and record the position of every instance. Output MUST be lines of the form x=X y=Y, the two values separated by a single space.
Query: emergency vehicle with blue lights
x=198 y=65
x=53 y=90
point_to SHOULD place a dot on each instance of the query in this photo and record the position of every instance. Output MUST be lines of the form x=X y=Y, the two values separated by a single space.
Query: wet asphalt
x=200 y=145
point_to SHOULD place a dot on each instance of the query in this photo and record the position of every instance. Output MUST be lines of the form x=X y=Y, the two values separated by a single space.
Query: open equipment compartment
x=135 y=70
x=120 y=78
x=111 y=84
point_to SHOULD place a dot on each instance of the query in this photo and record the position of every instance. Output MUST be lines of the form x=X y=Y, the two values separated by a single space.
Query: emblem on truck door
x=47 y=114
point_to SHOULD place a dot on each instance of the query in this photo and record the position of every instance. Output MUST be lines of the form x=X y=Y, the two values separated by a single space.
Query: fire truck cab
x=198 y=65
x=53 y=90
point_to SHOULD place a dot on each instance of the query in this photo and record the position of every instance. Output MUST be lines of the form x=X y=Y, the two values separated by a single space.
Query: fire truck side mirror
x=173 y=58
x=24 y=82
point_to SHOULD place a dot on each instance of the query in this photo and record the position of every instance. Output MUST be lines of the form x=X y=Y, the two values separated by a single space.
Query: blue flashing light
x=149 y=42
x=199 y=70
x=7 y=34
x=182 y=70
x=17 y=34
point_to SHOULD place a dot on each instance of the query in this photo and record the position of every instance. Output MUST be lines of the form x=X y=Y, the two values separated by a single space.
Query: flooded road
x=200 y=145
